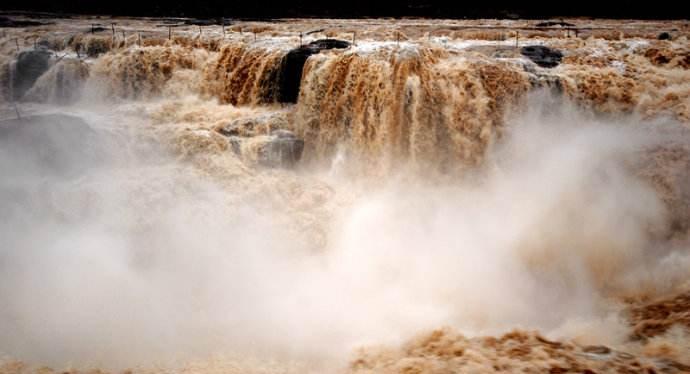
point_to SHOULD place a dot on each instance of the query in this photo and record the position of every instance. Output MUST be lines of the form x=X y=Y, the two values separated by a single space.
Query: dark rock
x=292 y=64
x=282 y=149
x=240 y=127
x=258 y=125
x=543 y=56
x=49 y=44
x=290 y=73
x=95 y=29
x=322 y=44
x=48 y=145
x=28 y=67
x=231 y=129
x=554 y=23
x=664 y=36
x=61 y=84
x=279 y=149
x=235 y=144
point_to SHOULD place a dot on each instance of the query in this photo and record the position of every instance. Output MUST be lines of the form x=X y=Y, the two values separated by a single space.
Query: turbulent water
x=456 y=207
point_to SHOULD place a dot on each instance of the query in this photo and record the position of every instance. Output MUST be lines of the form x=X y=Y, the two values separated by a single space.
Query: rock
x=235 y=144
x=554 y=23
x=258 y=125
x=282 y=149
x=29 y=66
x=95 y=29
x=322 y=44
x=292 y=64
x=263 y=140
x=233 y=129
x=48 y=145
x=543 y=56
x=61 y=84
x=664 y=36
x=543 y=79
x=241 y=127
x=290 y=73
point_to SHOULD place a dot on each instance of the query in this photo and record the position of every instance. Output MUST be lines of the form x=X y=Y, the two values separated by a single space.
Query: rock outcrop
x=290 y=73
x=282 y=149
x=48 y=145
x=263 y=140
x=28 y=67
x=543 y=56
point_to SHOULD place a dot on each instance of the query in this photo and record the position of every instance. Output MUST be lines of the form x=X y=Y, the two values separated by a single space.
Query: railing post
x=517 y=38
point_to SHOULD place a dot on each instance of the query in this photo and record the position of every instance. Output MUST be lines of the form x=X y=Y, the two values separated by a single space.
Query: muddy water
x=456 y=207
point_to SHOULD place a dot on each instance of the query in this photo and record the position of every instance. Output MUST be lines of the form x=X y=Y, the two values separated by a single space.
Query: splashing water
x=457 y=208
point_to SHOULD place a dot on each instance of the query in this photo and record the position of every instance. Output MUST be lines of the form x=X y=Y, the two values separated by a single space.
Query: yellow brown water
x=456 y=208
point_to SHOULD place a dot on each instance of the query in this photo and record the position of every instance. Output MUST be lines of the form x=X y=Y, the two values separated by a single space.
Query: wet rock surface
x=29 y=66
x=290 y=73
x=554 y=23
x=252 y=126
x=263 y=140
x=52 y=144
x=282 y=149
x=543 y=56
x=61 y=84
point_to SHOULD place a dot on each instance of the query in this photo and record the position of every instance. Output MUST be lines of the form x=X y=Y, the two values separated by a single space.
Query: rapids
x=455 y=207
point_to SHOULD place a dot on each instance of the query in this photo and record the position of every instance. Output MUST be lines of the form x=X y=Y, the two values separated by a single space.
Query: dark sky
x=670 y=9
